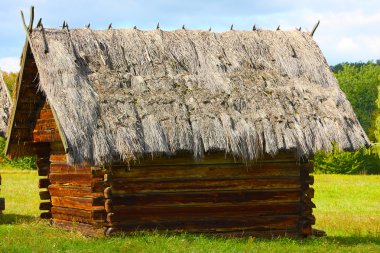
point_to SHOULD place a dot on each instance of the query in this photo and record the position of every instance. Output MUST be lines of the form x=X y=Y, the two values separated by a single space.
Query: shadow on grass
x=16 y=219
x=355 y=239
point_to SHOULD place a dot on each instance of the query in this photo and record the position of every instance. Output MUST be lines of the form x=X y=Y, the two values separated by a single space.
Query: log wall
x=70 y=195
x=218 y=195
x=27 y=107
x=45 y=131
x=76 y=193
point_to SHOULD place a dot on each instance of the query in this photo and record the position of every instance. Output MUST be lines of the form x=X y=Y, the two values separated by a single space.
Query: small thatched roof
x=124 y=93
x=5 y=106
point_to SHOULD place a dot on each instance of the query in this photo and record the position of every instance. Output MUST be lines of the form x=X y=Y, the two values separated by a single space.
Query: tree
x=10 y=79
x=376 y=125
x=360 y=83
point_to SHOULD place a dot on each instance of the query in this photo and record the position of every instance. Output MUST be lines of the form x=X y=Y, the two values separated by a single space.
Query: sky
x=349 y=29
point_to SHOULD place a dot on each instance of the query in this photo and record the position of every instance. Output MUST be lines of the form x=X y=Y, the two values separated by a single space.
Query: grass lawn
x=348 y=209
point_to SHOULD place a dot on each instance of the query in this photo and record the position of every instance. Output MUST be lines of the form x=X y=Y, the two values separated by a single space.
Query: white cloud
x=347 y=45
x=348 y=30
x=10 y=64
x=347 y=35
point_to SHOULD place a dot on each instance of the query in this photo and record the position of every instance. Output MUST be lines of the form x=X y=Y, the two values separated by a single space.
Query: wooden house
x=5 y=105
x=182 y=130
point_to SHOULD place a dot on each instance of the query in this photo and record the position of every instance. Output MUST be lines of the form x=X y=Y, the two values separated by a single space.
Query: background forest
x=361 y=84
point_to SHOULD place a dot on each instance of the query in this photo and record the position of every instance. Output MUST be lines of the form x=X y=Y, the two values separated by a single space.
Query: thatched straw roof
x=123 y=93
x=5 y=105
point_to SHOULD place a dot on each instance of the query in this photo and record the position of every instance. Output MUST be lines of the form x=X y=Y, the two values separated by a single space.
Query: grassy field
x=348 y=209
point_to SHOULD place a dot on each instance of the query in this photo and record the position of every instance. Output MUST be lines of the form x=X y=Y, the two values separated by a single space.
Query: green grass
x=348 y=209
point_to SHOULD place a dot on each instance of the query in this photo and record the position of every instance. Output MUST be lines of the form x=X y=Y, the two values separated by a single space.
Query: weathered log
x=43 y=171
x=94 y=214
x=58 y=158
x=108 y=192
x=73 y=179
x=43 y=183
x=209 y=224
x=165 y=198
x=202 y=184
x=186 y=158
x=44 y=195
x=206 y=171
x=42 y=162
x=178 y=212
x=2 y=204
x=77 y=202
x=74 y=218
x=45 y=215
x=57 y=147
x=73 y=191
x=310 y=193
x=59 y=168
x=45 y=205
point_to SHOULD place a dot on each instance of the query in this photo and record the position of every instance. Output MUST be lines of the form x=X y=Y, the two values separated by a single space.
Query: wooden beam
x=314 y=28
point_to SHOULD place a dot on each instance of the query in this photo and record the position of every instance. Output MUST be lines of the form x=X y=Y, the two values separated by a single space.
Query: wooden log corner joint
x=135 y=134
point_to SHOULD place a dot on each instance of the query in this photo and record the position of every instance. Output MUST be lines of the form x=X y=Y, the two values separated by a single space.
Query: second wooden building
x=183 y=131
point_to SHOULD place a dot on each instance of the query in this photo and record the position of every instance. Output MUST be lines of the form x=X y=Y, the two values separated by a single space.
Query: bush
x=27 y=162
x=362 y=161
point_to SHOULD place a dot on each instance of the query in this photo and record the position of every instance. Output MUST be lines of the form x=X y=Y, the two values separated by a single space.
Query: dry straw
x=125 y=93
x=5 y=106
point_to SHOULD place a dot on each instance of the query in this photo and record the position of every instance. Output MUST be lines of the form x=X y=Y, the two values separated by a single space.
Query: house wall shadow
x=16 y=218
x=355 y=239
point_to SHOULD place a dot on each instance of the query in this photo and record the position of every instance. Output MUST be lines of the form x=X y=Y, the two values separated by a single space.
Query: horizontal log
x=85 y=229
x=108 y=192
x=310 y=180
x=46 y=136
x=66 y=169
x=99 y=186
x=208 y=171
x=191 y=198
x=45 y=123
x=73 y=191
x=94 y=214
x=77 y=202
x=308 y=204
x=310 y=192
x=183 y=184
x=186 y=158
x=43 y=183
x=310 y=219
x=74 y=218
x=46 y=114
x=73 y=179
x=57 y=147
x=209 y=224
x=306 y=229
x=42 y=162
x=21 y=134
x=58 y=158
x=177 y=212
x=45 y=206
x=46 y=215
x=272 y=233
x=2 y=204
x=43 y=171
x=44 y=195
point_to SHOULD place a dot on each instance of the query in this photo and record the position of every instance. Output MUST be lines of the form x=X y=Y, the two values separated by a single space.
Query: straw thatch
x=5 y=105
x=123 y=93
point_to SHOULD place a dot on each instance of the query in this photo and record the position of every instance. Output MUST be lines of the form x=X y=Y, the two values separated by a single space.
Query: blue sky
x=349 y=30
